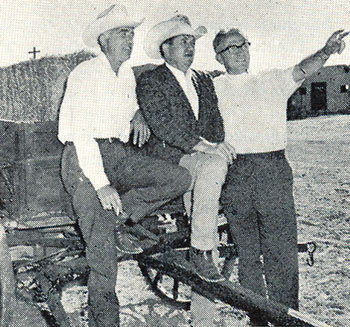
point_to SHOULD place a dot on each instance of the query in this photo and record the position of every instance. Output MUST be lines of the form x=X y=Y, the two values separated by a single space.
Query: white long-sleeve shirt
x=185 y=81
x=254 y=109
x=97 y=104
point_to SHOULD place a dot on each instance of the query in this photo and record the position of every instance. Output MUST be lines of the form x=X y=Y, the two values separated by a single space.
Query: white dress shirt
x=254 y=109
x=185 y=81
x=97 y=104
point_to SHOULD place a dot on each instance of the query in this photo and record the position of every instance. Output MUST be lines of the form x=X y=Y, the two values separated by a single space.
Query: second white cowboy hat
x=113 y=17
x=165 y=30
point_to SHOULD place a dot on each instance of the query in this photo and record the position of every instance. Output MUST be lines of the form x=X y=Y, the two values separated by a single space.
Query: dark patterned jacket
x=175 y=129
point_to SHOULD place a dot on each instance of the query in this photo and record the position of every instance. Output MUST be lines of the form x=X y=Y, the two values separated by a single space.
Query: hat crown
x=113 y=9
x=114 y=16
x=182 y=19
x=177 y=25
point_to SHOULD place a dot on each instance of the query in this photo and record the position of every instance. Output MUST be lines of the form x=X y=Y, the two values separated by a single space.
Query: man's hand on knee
x=110 y=199
x=223 y=150
x=228 y=151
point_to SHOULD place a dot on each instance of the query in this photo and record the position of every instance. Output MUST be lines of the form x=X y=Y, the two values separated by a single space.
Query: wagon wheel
x=167 y=288
x=177 y=293
x=41 y=282
x=7 y=281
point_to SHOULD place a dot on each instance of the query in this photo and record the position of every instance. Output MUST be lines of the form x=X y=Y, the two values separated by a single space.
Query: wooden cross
x=34 y=52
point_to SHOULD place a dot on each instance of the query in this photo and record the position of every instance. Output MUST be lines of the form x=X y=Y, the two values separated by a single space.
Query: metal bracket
x=311 y=248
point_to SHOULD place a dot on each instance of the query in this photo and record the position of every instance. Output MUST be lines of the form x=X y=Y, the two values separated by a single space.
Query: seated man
x=258 y=195
x=109 y=182
x=180 y=107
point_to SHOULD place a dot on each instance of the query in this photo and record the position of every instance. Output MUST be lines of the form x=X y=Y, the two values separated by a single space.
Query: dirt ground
x=318 y=150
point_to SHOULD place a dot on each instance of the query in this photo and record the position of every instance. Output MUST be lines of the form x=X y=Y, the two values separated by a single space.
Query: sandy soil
x=318 y=150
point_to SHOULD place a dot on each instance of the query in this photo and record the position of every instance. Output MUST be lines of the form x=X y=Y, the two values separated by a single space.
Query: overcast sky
x=282 y=32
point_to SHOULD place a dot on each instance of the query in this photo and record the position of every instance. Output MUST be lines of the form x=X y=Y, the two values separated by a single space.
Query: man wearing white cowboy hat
x=181 y=108
x=108 y=180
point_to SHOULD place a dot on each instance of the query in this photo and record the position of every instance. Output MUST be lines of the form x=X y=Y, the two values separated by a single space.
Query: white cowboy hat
x=113 y=17
x=165 y=30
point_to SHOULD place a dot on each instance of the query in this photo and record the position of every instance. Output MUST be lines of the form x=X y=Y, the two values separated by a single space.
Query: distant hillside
x=32 y=90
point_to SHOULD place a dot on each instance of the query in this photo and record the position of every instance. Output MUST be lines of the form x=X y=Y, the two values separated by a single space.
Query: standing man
x=180 y=107
x=258 y=194
x=109 y=182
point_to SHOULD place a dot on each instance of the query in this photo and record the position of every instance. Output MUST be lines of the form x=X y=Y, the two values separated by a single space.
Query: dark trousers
x=258 y=202
x=145 y=184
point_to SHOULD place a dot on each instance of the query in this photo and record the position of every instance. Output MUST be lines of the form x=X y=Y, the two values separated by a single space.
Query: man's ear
x=102 y=40
x=219 y=59
x=165 y=48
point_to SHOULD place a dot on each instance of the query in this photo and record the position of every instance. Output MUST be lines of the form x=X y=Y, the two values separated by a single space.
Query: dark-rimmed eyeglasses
x=235 y=47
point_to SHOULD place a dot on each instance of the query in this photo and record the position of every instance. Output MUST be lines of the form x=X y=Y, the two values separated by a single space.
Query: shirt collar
x=102 y=58
x=178 y=73
x=248 y=72
x=233 y=77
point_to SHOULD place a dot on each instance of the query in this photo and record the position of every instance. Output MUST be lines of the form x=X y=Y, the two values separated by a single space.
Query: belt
x=100 y=140
x=109 y=139
x=280 y=154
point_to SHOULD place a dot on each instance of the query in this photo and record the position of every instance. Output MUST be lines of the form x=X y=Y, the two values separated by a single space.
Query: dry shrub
x=32 y=90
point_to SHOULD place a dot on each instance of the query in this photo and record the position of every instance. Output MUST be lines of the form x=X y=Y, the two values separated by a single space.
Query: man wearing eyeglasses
x=258 y=194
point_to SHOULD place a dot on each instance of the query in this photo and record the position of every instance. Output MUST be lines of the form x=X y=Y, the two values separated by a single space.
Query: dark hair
x=222 y=34
x=99 y=41
x=167 y=41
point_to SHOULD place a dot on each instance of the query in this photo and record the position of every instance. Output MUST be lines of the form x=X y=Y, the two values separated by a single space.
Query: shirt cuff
x=101 y=182
x=207 y=142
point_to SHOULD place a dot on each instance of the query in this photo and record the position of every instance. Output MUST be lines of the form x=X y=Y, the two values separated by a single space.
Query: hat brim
x=94 y=30
x=162 y=32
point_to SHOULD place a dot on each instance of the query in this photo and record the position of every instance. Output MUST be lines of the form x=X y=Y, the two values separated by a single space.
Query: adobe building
x=325 y=92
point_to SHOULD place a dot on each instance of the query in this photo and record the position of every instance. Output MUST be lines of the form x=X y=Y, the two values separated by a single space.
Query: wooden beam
x=174 y=264
x=7 y=281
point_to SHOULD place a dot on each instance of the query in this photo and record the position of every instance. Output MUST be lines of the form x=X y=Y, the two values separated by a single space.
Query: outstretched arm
x=310 y=65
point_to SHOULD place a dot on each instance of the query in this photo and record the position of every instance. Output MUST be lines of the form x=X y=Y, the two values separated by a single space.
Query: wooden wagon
x=36 y=211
